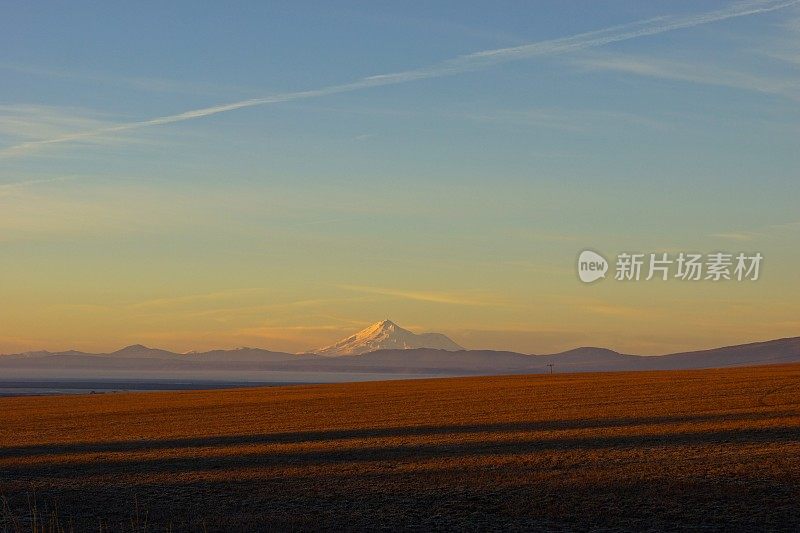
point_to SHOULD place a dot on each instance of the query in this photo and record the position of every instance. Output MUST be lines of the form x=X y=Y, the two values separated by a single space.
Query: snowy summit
x=386 y=335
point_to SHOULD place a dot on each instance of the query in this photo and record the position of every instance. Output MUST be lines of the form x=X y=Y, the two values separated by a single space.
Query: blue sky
x=451 y=194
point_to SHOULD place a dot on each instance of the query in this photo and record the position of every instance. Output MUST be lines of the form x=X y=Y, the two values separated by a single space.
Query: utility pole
x=551 y=367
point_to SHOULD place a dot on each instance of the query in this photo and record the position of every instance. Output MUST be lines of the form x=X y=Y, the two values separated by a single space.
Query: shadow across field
x=77 y=467
x=299 y=437
x=711 y=450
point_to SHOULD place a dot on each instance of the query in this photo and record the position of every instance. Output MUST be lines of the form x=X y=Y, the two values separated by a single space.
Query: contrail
x=6 y=187
x=465 y=63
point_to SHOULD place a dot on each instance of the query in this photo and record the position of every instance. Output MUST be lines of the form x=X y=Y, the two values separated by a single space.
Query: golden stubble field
x=718 y=449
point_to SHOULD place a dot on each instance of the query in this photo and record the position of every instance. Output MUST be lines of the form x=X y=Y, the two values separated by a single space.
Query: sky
x=282 y=174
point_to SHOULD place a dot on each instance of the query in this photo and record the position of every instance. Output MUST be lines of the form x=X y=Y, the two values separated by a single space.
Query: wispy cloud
x=784 y=45
x=768 y=231
x=613 y=310
x=26 y=123
x=10 y=188
x=466 y=63
x=195 y=298
x=140 y=83
x=428 y=296
x=787 y=226
x=42 y=207
x=569 y=120
x=693 y=72
x=736 y=236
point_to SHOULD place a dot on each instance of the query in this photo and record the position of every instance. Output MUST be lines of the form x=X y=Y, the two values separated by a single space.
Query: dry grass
x=628 y=451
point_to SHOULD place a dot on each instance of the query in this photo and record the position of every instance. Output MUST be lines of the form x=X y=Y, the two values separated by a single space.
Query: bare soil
x=637 y=451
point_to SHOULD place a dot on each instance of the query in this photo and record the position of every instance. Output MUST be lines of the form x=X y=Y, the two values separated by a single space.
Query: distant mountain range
x=409 y=355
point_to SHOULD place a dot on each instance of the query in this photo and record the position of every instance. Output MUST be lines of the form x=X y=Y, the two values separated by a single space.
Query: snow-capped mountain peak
x=386 y=335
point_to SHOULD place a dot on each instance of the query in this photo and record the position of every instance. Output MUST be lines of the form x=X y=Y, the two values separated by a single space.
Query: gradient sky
x=281 y=174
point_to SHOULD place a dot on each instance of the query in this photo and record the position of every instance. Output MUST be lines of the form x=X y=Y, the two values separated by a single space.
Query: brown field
x=718 y=449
